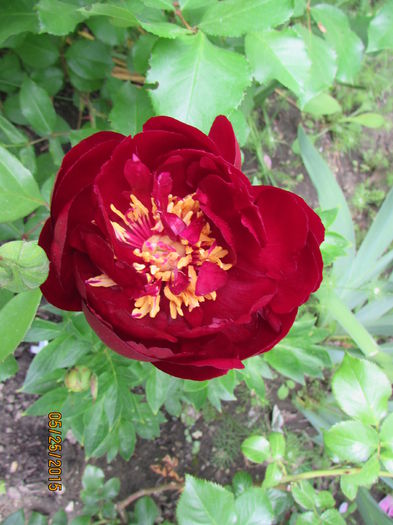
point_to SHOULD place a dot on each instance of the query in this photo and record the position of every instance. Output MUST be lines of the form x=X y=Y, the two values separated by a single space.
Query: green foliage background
x=69 y=68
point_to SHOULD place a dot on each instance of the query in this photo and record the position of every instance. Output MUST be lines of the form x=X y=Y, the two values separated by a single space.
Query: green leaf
x=369 y=510
x=386 y=436
x=324 y=499
x=205 y=503
x=58 y=18
x=299 y=8
x=38 y=51
x=279 y=55
x=81 y=520
x=369 y=120
x=37 y=519
x=12 y=109
x=241 y=481
x=256 y=448
x=295 y=358
x=380 y=34
x=5 y=296
x=15 y=319
x=127 y=439
x=14 y=135
x=23 y=266
x=37 y=107
x=62 y=352
x=111 y=488
x=11 y=74
x=120 y=15
x=281 y=502
x=252 y=373
x=329 y=192
x=59 y=518
x=157 y=387
x=42 y=330
x=377 y=240
x=193 y=4
x=322 y=104
x=104 y=30
x=146 y=512
x=362 y=390
x=277 y=445
x=131 y=109
x=90 y=60
x=340 y=311
x=16 y=518
x=350 y=441
x=273 y=476
x=323 y=62
x=96 y=427
x=159 y=4
x=254 y=508
x=93 y=478
x=141 y=52
x=308 y=518
x=332 y=517
x=188 y=70
x=241 y=127
x=304 y=495
x=221 y=389
x=17 y=17
x=8 y=368
x=51 y=401
x=19 y=192
x=237 y=17
x=367 y=476
x=337 y=31
x=160 y=27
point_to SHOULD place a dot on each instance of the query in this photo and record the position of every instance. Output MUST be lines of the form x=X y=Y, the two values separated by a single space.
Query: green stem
x=106 y=353
x=327 y=474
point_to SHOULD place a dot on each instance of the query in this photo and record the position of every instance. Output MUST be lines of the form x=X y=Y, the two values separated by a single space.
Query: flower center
x=162 y=251
x=171 y=246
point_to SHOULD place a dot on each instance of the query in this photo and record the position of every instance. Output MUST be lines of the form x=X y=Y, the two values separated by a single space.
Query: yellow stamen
x=120 y=232
x=138 y=209
x=148 y=304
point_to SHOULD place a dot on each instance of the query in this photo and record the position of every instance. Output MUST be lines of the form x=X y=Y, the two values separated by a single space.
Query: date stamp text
x=54 y=451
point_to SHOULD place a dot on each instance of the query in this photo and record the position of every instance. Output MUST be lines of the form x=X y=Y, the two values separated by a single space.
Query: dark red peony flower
x=174 y=257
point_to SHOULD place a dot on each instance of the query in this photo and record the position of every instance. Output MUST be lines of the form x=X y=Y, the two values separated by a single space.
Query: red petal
x=259 y=336
x=80 y=167
x=284 y=218
x=104 y=331
x=180 y=283
x=297 y=287
x=224 y=137
x=111 y=183
x=243 y=294
x=194 y=137
x=139 y=179
x=210 y=278
x=192 y=232
x=162 y=187
x=64 y=298
x=196 y=373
